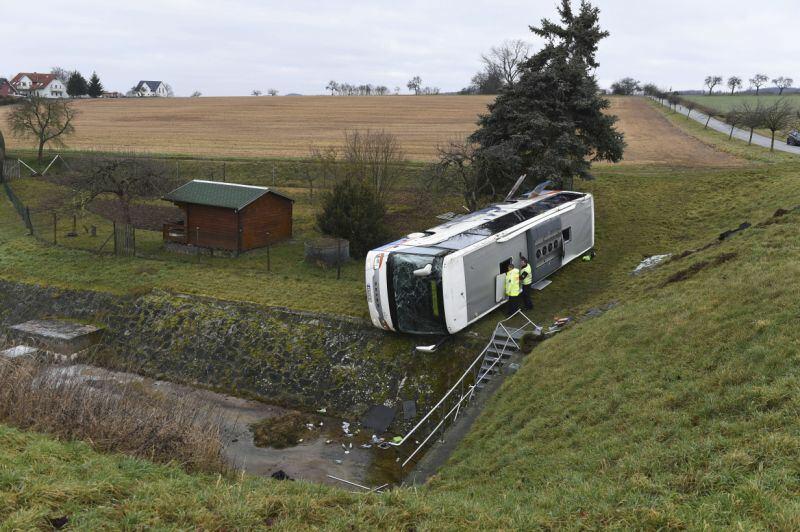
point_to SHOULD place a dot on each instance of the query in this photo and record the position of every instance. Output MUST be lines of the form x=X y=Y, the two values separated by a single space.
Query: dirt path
x=653 y=140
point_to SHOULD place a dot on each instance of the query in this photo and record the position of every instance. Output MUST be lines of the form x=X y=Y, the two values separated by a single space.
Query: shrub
x=351 y=210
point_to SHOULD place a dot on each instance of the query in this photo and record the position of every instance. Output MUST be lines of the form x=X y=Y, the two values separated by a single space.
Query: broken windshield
x=416 y=301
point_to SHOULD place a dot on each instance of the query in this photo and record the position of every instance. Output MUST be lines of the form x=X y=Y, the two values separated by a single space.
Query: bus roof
x=472 y=228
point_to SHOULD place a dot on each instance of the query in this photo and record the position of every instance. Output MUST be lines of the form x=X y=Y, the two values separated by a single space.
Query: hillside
x=674 y=409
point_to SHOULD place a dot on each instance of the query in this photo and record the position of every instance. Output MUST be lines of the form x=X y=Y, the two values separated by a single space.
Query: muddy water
x=313 y=459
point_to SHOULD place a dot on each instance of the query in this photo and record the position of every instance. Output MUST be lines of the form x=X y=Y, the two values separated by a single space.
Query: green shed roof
x=216 y=194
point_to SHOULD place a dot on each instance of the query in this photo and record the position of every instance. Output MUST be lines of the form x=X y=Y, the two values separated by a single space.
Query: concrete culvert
x=327 y=251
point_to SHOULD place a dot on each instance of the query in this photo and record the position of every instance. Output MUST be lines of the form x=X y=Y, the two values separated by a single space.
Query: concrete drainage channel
x=390 y=394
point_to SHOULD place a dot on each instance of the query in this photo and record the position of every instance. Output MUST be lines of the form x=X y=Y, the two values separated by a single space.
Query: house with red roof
x=45 y=85
x=6 y=89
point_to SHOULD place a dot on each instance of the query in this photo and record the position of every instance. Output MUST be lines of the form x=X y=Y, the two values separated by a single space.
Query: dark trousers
x=512 y=305
x=526 y=296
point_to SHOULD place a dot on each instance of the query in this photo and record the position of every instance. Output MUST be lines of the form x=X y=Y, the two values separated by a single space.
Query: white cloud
x=234 y=47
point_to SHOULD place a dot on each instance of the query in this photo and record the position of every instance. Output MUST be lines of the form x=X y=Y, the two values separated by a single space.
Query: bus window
x=504 y=265
x=566 y=234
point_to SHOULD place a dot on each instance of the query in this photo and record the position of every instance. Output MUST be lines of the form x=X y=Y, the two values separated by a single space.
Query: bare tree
x=375 y=158
x=733 y=117
x=758 y=81
x=507 y=58
x=128 y=178
x=272 y=92
x=256 y=92
x=711 y=82
x=690 y=105
x=61 y=74
x=325 y=161
x=777 y=117
x=734 y=82
x=196 y=94
x=456 y=170
x=46 y=120
x=170 y=92
x=782 y=84
x=333 y=87
x=751 y=116
x=414 y=84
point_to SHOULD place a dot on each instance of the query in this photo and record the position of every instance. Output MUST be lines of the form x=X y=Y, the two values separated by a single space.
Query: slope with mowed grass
x=674 y=409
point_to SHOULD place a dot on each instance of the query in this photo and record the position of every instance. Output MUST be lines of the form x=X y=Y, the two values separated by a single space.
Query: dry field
x=286 y=126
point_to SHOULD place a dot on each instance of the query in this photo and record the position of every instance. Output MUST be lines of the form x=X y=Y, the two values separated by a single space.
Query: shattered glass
x=417 y=303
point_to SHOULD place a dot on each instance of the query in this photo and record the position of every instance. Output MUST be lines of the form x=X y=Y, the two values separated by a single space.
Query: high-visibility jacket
x=513 y=288
x=528 y=275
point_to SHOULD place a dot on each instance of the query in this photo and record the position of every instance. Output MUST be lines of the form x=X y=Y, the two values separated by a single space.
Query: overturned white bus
x=450 y=276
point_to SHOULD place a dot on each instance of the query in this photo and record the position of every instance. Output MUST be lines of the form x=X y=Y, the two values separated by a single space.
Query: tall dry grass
x=117 y=416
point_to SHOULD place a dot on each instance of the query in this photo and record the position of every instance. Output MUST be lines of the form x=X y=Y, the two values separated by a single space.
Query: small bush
x=351 y=210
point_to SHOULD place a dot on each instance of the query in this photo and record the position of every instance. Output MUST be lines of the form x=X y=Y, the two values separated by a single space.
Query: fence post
x=114 y=234
x=338 y=258
x=55 y=228
x=28 y=219
x=224 y=173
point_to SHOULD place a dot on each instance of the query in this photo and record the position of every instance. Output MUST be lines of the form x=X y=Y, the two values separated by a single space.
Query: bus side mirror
x=424 y=272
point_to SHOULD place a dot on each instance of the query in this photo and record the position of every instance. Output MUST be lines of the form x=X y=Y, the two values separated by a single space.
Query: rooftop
x=216 y=194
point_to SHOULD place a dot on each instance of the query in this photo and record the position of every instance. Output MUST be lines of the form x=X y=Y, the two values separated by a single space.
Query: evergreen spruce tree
x=551 y=124
x=76 y=85
x=95 y=87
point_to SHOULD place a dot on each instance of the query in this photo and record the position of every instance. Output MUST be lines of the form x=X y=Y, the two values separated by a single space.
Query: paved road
x=741 y=134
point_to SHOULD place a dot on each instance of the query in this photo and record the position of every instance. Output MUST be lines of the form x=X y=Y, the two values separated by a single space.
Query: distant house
x=33 y=83
x=147 y=89
x=228 y=216
x=6 y=89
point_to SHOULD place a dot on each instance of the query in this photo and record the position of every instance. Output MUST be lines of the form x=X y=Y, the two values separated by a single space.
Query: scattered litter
x=589 y=256
x=344 y=447
x=376 y=490
x=384 y=445
x=366 y=446
x=328 y=442
x=378 y=417
x=310 y=426
x=300 y=440
x=513 y=367
x=726 y=234
x=338 y=461
x=351 y=445
x=320 y=423
x=409 y=410
x=322 y=410
x=397 y=439
x=281 y=475
x=650 y=262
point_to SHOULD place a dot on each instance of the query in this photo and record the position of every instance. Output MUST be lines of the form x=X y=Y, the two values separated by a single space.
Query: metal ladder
x=504 y=343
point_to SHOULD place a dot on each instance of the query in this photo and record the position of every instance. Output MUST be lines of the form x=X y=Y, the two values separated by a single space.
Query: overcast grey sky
x=231 y=48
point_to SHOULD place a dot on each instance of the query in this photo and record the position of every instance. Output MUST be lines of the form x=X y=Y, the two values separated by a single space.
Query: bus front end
x=405 y=291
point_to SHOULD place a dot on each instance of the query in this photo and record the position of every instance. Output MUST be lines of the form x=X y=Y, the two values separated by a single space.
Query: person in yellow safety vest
x=526 y=274
x=513 y=289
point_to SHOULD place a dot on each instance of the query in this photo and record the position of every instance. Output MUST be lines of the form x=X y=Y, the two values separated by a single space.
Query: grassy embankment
x=726 y=102
x=677 y=408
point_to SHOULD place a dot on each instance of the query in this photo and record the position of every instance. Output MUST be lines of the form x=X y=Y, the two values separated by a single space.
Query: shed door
x=545 y=248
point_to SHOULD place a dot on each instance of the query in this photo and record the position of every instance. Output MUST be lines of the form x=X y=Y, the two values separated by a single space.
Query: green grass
x=675 y=409
x=725 y=102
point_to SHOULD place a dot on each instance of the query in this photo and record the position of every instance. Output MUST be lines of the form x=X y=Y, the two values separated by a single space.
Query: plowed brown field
x=287 y=126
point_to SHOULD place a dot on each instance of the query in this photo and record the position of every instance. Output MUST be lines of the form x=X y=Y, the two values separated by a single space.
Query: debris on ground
x=281 y=475
x=589 y=256
x=378 y=417
x=281 y=431
x=650 y=262
x=409 y=410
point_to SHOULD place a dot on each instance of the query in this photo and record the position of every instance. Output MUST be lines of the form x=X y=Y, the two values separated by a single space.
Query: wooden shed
x=229 y=216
